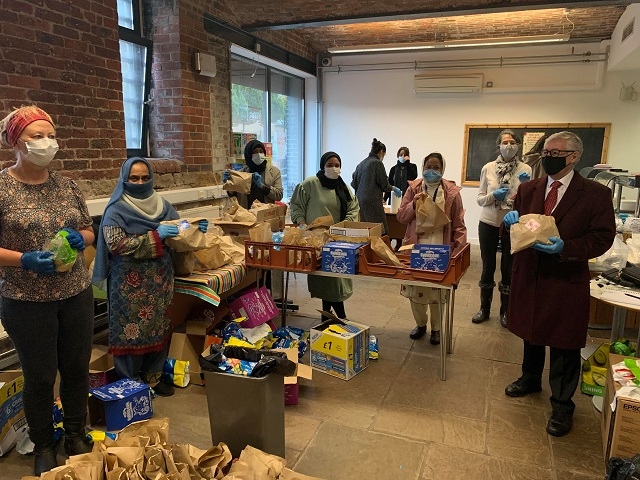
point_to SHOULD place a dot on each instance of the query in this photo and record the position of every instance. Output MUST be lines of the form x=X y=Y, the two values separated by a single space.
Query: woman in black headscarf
x=266 y=185
x=323 y=194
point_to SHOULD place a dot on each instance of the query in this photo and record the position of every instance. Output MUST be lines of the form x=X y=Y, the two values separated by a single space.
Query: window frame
x=135 y=36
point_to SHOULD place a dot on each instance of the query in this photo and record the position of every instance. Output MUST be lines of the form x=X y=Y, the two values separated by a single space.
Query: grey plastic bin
x=246 y=411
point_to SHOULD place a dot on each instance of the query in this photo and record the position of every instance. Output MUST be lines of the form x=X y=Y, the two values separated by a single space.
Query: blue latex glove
x=39 y=262
x=500 y=193
x=397 y=192
x=75 y=239
x=257 y=179
x=167 y=231
x=510 y=218
x=226 y=176
x=556 y=246
x=203 y=225
x=524 y=177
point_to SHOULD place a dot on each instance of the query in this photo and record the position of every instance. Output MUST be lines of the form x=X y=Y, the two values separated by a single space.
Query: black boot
x=75 y=438
x=504 y=303
x=486 y=295
x=44 y=458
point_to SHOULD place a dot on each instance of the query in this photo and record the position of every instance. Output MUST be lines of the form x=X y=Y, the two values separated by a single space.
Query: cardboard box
x=188 y=346
x=238 y=230
x=594 y=371
x=256 y=305
x=341 y=257
x=434 y=258
x=101 y=370
x=291 y=386
x=272 y=213
x=12 y=420
x=119 y=404
x=341 y=351
x=620 y=428
x=356 y=229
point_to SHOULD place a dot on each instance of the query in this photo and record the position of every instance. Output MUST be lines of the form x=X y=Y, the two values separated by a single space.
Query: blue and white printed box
x=120 y=404
x=434 y=258
x=341 y=257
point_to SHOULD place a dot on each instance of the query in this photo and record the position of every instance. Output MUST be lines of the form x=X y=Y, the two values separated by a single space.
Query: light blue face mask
x=431 y=175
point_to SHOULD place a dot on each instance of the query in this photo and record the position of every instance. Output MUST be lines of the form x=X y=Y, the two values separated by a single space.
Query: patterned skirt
x=139 y=293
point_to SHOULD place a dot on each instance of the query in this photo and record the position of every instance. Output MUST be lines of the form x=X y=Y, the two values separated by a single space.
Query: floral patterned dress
x=140 y=288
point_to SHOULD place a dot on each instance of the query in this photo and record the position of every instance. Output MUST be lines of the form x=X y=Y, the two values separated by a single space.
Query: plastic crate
x=370 y=264
x=275 y=256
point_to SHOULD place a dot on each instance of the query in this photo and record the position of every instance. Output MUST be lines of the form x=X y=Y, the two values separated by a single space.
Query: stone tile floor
x=397 y=419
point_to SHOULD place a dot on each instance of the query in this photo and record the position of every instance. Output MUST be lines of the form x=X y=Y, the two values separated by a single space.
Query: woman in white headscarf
x=446 y=196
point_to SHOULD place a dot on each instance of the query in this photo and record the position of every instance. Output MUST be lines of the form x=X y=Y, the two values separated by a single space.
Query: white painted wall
x=361 y=105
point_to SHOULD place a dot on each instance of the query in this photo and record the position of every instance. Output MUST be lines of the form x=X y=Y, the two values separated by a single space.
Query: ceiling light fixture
x=480 y=42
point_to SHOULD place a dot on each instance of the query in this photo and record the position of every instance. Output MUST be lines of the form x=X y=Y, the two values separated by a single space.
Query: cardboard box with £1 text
x=339 y=347
x=12 y=420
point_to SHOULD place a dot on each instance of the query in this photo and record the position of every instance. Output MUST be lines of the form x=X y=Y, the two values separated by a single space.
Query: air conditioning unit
x=470 y=83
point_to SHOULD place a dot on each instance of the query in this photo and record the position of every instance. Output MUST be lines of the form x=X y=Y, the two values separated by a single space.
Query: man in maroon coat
x=549 y=302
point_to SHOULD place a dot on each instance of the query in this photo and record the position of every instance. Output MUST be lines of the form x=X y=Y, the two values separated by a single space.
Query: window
x=135 y=59
x=270 y=104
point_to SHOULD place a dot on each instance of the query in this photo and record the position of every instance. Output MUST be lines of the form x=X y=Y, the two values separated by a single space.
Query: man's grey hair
x=573 y=141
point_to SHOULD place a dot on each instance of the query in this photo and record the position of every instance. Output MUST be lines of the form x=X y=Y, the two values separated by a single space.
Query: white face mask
x=258 y=158
x=41 y=151
x=332 y=172
x=508 y=151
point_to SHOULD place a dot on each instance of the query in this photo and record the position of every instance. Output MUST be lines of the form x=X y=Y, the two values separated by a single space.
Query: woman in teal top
x=326 y=194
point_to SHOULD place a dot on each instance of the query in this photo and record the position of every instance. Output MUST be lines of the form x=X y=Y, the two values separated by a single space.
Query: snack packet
x=63 y=255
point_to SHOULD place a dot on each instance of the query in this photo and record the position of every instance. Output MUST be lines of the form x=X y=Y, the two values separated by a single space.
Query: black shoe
x=418 y=332
x=77 y=445
x=559 y=424
x=45 y=460
x=503 y=320
x=435 y=337
x=519 y=389
x=164 y=389
x=481 y=316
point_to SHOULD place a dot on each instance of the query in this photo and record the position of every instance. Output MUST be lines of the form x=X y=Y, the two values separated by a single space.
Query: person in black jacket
x=402 y=173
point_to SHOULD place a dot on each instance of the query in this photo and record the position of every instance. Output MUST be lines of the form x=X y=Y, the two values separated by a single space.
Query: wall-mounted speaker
x=325 y=61
x=204 y=64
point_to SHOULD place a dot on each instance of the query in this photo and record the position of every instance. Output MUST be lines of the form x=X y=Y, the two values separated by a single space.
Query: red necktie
x=552 y=198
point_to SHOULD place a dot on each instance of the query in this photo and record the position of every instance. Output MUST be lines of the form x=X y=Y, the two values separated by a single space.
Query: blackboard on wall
x=480 y=144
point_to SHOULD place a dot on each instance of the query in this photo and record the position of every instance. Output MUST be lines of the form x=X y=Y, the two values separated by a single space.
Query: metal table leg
x=453 y=305
x=617 y=325
x=284 y=300
x=443 y=334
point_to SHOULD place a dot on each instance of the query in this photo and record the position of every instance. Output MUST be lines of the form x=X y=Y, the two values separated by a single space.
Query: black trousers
x=51 y=337
x=488 y=236
x=564 y=373
x=338 y=308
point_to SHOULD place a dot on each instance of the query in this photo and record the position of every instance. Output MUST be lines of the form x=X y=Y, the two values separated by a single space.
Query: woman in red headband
x=47 y=314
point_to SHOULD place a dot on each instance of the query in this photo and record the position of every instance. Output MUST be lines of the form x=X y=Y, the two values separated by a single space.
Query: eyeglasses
x=136 y=178
x=556 y=153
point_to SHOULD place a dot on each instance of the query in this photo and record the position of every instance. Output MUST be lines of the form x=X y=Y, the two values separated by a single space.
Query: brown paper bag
x=240 y=182
x=154 y=431
x=211 y=462
x=184 y=263
x=262 y=464
x=235 y=213
x=261 y=233
x=232 y=248
x=429 y=216
x=321 y=222
x=214 y=256
x=384 y=252
x=292 y=236
x=532 y=228
x=189 y=236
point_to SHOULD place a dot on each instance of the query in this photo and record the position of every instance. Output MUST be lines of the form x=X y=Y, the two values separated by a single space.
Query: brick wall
x=63 y=56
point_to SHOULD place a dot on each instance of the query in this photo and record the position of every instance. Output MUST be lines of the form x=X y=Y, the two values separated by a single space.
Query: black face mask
x=553 y=165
